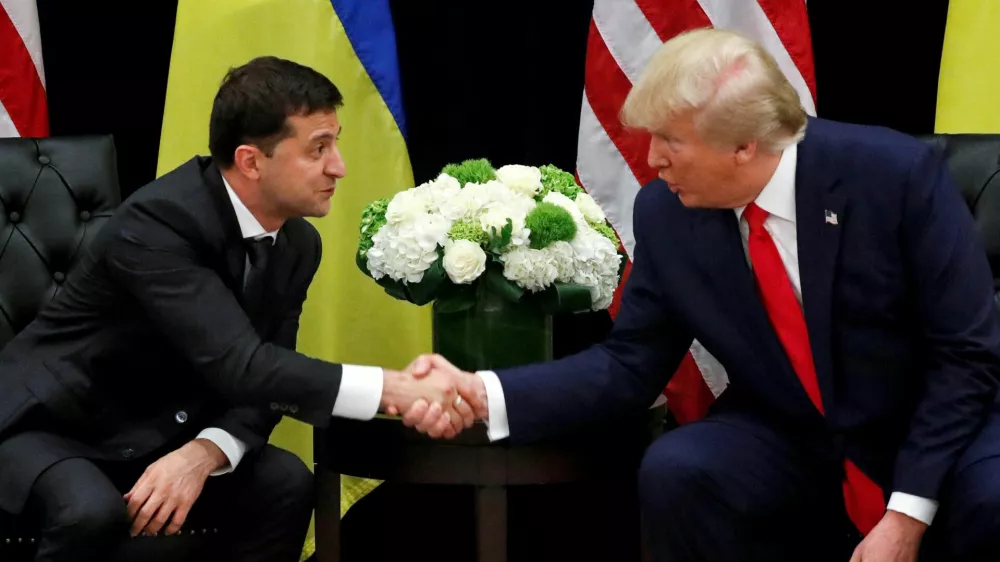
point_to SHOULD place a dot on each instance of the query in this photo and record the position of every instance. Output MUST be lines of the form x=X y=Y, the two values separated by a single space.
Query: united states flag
x=611 y=163
x=23 y=106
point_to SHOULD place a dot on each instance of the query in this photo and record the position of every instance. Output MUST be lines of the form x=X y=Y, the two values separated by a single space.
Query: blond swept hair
x=732 y=85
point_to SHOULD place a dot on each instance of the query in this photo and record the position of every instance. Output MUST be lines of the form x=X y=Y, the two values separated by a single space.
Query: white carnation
x=464 y=261
x=405 y=250
x=533 y=270
x=590 y=209
x=561 y=200
x=439 y=193
x=526 y=180
x=407 y=205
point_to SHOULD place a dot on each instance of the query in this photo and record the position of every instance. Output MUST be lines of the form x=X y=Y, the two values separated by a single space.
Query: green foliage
x=549 y=223
x=471 y=171
x=469 y=230
x=604 y=229
x=500 y=240
x=554 y=179
x=372 y=219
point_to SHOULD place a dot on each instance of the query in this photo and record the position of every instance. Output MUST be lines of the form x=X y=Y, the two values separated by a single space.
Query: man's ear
x=247 y=161
x=745 y=152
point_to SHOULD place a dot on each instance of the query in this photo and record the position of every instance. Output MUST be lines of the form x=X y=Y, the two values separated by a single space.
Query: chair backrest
x=974 y=161
x=55 y=194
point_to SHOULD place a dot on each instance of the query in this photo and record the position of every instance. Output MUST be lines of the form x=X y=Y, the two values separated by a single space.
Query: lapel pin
x=831 y=217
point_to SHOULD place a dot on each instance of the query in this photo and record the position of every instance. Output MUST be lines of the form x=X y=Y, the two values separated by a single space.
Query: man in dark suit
x=168 y=356
x=835 y=272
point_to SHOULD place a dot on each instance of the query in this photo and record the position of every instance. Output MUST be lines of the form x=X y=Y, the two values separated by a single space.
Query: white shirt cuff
x=496 y=422
x=360 y=392
x=233 y=448
x=921 y=509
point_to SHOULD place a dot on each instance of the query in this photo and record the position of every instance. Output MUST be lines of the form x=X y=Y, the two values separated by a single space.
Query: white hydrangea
x=526 y=180
x=439 y=192
x=534 y=270
x=561 y=200
x=563 y=256
x=405 y=250
x=590 y=209
x=596 y=262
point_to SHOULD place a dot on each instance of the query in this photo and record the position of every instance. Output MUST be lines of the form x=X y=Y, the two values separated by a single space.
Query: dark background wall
x=501 y=80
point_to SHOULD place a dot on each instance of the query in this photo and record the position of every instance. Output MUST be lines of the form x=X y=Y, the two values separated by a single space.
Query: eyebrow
x=326 y=135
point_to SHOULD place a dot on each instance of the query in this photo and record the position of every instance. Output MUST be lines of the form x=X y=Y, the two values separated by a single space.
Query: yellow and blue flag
x=347 y=317
x=970 y=70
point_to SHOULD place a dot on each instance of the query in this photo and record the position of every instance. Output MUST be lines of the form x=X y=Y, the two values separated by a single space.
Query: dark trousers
x=729 y=488
x=264 y=507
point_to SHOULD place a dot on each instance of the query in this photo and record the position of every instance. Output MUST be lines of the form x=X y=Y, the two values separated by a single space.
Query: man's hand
x=896 y=538
x=169 y=487
x=426 y=415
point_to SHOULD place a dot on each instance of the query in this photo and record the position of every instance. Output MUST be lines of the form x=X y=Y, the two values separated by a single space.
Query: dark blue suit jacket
x=898 y=299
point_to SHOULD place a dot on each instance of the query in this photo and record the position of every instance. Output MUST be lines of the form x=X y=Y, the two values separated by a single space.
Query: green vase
x=494 y=333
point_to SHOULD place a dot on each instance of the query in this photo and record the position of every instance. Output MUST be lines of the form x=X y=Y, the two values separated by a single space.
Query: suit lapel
x=723 y=259
x=230 y=242
x=820 y=219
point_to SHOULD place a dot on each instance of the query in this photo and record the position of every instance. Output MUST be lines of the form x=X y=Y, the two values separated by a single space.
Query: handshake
x=434 y=396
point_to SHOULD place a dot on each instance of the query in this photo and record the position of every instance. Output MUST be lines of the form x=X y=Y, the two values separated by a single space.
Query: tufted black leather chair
x=974 y=161
x=55 y=194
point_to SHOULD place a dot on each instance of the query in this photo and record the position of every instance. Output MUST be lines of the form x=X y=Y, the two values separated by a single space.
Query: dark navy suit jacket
x=898 y=299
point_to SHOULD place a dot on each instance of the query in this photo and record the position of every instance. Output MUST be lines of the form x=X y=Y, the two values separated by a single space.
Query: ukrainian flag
x=970 y=69
x=347 y=318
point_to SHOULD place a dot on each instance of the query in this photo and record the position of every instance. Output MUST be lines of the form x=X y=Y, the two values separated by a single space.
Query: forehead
x=315 y=124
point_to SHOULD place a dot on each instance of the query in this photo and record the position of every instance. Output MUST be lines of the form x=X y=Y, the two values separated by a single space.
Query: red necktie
x=863 y=497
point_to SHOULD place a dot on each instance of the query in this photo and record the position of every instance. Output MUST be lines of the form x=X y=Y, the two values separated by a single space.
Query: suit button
x=293 y=408
x=43 y=159
x=181 y=416
x=85 y=216
x=128 y=452
x=275 y=406
x=284 y=407
x=59 y=276
x=15 y=217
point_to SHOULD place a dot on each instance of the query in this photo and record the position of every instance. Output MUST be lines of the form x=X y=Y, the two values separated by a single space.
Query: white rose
x=464 y=261
x=590 y=209
x=526 y=180
x=561 y=200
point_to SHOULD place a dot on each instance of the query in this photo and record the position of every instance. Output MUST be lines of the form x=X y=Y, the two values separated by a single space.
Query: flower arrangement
x=524 y=232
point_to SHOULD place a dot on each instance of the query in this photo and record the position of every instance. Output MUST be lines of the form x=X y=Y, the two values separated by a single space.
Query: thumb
x=421 y=366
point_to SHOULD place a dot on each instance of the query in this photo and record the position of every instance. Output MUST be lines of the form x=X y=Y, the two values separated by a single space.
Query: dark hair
x=255 y=100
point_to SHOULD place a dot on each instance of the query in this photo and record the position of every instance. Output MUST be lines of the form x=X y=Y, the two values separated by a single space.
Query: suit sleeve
x=253 y=426
x=623 y=374
x=954 y=294
x=189 y=303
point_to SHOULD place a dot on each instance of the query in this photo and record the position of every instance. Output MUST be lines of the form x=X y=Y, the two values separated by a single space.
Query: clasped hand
x=435 y=397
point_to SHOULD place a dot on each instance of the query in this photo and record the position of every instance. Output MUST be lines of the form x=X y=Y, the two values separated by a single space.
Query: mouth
x=329 y=191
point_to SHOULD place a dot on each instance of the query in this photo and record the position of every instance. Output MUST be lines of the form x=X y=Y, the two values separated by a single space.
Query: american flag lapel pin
x=831 y=217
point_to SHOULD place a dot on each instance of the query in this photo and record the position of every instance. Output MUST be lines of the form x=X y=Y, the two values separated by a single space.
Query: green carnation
x=471 y=171
x=604 y=229
x=372 y=219
x=468 y=230
x=554 y=179
x=549 y=223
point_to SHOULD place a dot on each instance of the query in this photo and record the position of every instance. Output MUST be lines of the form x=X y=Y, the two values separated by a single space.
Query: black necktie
x=258 y=252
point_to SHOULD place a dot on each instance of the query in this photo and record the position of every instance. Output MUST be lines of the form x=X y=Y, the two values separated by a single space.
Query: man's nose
x=336 y=167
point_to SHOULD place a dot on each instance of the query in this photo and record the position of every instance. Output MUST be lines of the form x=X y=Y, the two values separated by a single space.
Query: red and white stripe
x=23 y=106
x=611 y=163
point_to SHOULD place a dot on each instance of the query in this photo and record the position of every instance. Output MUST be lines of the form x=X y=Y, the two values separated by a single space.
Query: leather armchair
x=974 y=161
x=55 y=194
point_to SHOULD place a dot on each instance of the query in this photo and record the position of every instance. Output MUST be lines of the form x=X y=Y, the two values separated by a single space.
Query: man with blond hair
x=835 y=271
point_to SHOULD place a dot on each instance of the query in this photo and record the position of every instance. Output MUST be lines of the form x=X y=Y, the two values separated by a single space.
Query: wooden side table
x=384 y=449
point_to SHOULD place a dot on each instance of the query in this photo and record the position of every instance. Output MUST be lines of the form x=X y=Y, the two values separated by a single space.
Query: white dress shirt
x=360 y=386
x=778 y=199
